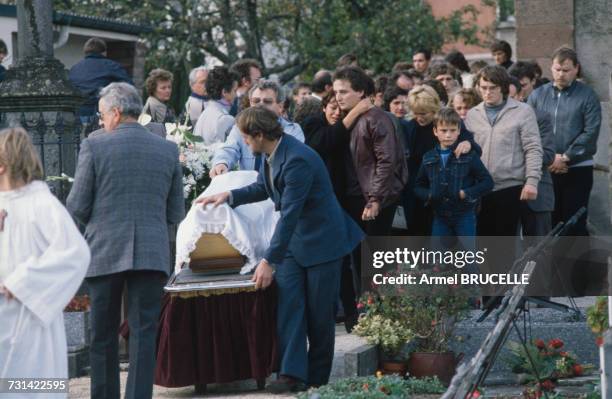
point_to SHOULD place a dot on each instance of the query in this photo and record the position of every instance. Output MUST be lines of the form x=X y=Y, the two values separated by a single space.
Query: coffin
x=214 y=254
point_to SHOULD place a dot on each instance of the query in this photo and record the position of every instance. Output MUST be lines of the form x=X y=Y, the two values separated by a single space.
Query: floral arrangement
x=597 y=318
x=79 y=303
x=195 y=157
x=550 y=360
x=379 y=386
x=389 y=334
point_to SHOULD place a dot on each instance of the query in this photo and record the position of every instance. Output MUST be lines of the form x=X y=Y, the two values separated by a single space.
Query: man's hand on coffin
x=219 y=169
x=4 y=291
x=263 y=275
x=216 y=199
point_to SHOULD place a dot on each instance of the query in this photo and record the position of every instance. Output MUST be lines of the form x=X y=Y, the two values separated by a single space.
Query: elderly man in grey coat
x=127 y=189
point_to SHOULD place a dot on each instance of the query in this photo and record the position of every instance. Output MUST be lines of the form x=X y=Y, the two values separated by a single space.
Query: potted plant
x=597 y=318
x=433 y=320
x=382 y=324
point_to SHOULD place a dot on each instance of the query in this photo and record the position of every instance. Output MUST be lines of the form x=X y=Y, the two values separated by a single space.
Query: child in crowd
x=452 y=184
x=43 y=260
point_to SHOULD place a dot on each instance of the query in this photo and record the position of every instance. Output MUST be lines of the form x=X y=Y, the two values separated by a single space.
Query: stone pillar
x=38 y=96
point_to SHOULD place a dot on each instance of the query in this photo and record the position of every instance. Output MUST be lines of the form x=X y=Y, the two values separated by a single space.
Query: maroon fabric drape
x=216 y=339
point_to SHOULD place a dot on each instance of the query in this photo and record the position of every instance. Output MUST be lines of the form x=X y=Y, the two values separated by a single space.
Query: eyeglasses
x=489 y=88
x=266 y=101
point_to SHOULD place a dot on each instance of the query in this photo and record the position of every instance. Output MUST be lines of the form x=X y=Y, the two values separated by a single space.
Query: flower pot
x=441 y=365
x=393 y=367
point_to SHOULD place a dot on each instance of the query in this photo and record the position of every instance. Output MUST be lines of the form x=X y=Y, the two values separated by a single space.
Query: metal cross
x=3 y=215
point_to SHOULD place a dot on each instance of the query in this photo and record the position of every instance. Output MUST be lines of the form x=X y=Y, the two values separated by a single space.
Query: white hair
x=124 y=97
x=194 y=72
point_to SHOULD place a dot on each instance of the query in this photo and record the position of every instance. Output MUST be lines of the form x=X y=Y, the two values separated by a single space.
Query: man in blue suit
x=306 y=249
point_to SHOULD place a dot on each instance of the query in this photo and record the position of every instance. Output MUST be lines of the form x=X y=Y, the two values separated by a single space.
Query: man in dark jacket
x=92 y=73
x=575 y=113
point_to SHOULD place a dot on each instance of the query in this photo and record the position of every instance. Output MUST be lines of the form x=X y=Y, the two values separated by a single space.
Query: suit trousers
x=572 y=191
x=500 y=213
x=306 y=318
x=144 y=293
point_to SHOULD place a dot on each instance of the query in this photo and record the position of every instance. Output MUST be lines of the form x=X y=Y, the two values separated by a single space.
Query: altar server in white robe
x=43 y=260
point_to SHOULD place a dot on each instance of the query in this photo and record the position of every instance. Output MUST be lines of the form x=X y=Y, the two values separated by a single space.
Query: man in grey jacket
x=575 y=112
x=127 y=189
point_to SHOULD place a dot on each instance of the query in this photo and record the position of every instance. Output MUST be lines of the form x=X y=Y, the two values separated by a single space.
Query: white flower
x=144 y=119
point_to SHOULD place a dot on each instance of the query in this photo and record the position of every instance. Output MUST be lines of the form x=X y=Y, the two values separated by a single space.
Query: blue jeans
x=462 y=226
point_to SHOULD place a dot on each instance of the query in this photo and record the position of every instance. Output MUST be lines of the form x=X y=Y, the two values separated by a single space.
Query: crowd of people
x=465 y=150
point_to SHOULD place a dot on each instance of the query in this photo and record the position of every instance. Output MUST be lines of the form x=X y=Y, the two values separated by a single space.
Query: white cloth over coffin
x=248 y=228
x=43 y=259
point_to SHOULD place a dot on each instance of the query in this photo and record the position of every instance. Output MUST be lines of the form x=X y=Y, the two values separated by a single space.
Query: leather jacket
x=378 y=156
x=575 y=113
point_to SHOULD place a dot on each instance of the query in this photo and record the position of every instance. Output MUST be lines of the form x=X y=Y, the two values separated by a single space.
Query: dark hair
x=242 y=68
x=319 y=84
x=439 y=89
x=513 y=81
x=442 y=68
x=391 y=94
x=522 y=69
x=358 y=79
x=447 y=116
x=457 y=59
x=258 y=119
x=3 y=48
x=496 y=75
x=309 y=107
x=380 y=83
x=425 y=52
x=502 y=45
x=563 y=54
x=348 y=59
x=476 y=66
x=95 y=45
x=536 y=68
x=219 y=79
x=409 y=73
x=327 y=98
x=301 y=85
x=470 y=97
x=401 y=65
x=155 y=76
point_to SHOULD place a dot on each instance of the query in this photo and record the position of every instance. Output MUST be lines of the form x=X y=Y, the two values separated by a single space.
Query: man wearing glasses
x=234 y=152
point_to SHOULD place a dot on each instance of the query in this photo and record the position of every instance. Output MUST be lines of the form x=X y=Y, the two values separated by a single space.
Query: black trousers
x=500 y=212
x=144 y=293
x=535 y=223
x=380 y=226
x=572 y=191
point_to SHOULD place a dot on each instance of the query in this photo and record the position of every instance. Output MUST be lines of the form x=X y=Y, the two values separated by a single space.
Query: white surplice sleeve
x=47 y=281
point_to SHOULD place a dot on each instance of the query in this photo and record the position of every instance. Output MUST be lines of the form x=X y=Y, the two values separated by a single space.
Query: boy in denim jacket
x=453 y=186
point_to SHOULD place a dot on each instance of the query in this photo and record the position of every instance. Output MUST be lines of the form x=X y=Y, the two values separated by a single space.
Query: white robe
x=43 y=260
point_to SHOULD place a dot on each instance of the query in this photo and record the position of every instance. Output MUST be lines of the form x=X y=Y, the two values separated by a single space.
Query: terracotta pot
x=393 y=367
x=442 y=365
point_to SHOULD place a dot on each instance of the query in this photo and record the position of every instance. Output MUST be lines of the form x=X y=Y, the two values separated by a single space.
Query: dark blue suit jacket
x=312 y=227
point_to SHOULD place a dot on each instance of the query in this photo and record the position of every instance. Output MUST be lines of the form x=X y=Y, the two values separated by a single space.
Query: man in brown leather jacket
x=376 y=167
x=374 y=162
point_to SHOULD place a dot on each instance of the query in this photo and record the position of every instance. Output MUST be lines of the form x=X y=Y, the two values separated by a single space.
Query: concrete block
x=542 y=40
x=78 y=328
x=361 y=361
x=78 y=361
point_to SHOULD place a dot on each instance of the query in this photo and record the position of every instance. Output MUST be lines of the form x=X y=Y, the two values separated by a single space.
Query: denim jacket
x=440 y=185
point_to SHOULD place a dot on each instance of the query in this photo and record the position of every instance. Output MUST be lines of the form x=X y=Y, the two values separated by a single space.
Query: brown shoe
x=285 y=384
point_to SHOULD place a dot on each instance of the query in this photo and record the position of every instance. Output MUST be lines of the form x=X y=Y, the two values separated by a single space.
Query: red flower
x=475 y=394
x=564 y=354
x=365 y=386
x=555 y=343
x=578 y=369
x=360 y=305
x=547 y=385
x=599 y=341
x=385 y=390
x=370 y=300
x=540 y=344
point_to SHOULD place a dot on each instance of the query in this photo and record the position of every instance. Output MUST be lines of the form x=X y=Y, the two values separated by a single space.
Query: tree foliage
x=289 y=37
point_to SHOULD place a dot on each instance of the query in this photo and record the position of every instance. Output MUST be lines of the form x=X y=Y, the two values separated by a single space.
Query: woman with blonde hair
x=43 y=260
x=424 y=103
x=159 y=90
